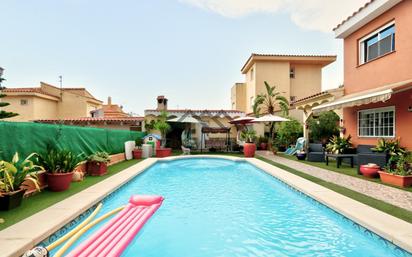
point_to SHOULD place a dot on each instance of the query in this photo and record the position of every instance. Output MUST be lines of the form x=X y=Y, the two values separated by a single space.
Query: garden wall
x=27 y=137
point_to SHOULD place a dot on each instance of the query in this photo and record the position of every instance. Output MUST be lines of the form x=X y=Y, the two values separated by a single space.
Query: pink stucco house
x=377 y=99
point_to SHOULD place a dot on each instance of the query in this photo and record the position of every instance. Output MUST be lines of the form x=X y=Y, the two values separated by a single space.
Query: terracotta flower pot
x=263 y=146
x=163 y=152
x=369 y=171
x=249 y=149
x=401 y=181
x=137 y=153
x=96 y=168
x=11 y=200
x=58 y=182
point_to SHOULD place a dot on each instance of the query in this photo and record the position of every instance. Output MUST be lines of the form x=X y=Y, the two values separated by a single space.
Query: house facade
x=110 y=116
x=49 y=102
x=377 y=101
x=295 y=77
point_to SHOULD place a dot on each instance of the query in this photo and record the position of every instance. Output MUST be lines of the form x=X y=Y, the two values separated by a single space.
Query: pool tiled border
x=17 y=238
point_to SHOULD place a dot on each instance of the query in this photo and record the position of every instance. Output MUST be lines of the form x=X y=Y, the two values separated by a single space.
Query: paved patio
x=394 y=196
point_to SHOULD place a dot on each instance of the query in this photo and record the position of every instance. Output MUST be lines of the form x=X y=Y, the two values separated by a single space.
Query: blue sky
x=133 y=50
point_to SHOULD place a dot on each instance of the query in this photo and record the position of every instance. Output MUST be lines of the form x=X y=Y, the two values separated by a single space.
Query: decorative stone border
x=16 y=239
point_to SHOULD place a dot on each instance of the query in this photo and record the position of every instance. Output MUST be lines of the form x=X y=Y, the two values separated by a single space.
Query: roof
x=326 y=92
x=294 y=58
x=373 y=95
x=369 y=11
x=27 y=90
x=190 y=110
x=92 y=119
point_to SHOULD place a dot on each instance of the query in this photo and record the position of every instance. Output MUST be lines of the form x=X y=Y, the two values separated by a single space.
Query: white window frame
x=361 y=42
x=375 y=110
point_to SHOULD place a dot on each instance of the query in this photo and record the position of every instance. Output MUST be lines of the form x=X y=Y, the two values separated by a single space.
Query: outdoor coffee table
x=339 y=158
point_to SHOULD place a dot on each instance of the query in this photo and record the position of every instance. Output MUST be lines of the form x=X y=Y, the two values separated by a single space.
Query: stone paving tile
x=394 y=196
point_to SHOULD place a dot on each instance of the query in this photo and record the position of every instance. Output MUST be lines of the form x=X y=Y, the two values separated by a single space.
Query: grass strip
x=44 y=199
x=375 y=203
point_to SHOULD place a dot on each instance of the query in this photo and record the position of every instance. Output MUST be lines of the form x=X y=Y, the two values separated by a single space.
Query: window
x=24 y=102
x=377 y=43
x=377 y=122
x=292 y=72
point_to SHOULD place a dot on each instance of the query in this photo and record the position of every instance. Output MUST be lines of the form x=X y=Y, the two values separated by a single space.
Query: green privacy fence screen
x=27 y=137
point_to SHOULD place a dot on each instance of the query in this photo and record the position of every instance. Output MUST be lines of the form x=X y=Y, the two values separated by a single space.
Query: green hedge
x=27 y=137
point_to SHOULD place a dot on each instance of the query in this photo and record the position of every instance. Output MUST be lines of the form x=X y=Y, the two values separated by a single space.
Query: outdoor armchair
x=316 y=153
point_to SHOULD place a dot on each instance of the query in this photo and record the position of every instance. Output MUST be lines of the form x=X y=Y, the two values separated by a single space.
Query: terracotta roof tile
x=27 y=90
x=92 y=119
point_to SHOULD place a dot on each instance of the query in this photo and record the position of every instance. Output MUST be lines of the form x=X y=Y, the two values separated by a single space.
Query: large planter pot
x=58 y=182
x=249 y=149
x=263 y=146
x=401 y=181
x=163 y=152
x=11 y=200
x=96 y=168
x=137 y=153
x=370 y=172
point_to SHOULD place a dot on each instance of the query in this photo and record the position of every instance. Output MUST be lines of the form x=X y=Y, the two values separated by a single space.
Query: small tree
x=4 y=114
x=162 y=126
x=288 y=132
x=324 y=127
x=269 y=103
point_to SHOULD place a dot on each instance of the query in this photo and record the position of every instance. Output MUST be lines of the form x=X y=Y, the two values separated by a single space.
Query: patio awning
x=380 y=94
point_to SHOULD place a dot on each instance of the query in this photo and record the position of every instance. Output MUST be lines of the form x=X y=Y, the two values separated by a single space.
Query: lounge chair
x=300 y=144
x=316 y=153
x=186 y=151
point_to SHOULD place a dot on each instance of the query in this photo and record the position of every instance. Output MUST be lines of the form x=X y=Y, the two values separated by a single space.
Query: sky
x=191 y=51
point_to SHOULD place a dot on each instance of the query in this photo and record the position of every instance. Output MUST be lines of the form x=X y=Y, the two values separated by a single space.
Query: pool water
x=216 y=207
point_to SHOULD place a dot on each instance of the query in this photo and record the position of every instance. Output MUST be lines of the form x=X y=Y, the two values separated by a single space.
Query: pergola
x=207 y=130
x=308 y=103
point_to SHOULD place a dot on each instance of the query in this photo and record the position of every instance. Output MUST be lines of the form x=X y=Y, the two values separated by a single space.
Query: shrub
x=248 y=135
x=59 y=161
x=338 y=145
x=324 y=126
x=99 y=157
x=288 y=132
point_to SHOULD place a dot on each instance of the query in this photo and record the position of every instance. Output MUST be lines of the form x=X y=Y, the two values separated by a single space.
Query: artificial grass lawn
x=344 y=169
x=44 y=199
x=377 y=204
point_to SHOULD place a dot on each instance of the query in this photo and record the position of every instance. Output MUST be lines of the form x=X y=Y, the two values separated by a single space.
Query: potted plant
x=263 y=143
x=398 y=171
x=13 y=177
x=391 y=147
x=370 y=170
x=163 y=127
x=59 y=165
x=275 y=146
x=339 y=145
x=137 y=151
x=97 y=163
x=249 y=147
x=301 y=155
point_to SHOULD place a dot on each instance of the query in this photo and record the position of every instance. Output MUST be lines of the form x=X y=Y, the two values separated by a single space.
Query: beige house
x=109 y=116
x=49 y=102
x=295 y=76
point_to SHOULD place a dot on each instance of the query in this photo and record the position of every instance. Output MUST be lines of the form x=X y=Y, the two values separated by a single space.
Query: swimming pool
x=216 y=207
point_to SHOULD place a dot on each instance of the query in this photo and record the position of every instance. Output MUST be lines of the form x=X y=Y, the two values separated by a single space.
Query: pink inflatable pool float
x=113 y=238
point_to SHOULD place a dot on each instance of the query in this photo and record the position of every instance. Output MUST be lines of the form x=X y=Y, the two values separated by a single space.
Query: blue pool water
x=217 y=207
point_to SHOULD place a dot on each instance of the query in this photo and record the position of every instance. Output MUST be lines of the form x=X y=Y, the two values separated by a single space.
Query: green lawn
x=44 y=199
x=344 y=169
x=377 y=204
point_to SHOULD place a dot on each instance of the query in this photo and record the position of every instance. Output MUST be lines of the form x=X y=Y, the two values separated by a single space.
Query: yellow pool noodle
x=74 y=238
x=74 y=231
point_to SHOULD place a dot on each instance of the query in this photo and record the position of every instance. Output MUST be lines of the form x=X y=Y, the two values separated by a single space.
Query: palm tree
x=269 y=103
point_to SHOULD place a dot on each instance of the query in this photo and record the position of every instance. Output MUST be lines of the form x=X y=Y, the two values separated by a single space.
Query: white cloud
x=321 y=15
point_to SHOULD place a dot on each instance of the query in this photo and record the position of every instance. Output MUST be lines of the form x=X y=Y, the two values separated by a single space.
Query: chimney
x=109 y=100
x=161 y=103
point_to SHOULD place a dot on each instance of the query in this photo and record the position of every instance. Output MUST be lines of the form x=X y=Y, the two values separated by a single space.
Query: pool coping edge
x=16 y=239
